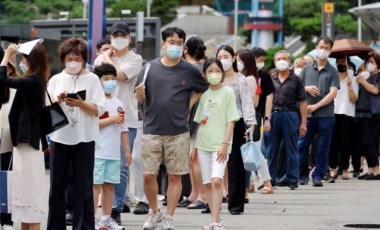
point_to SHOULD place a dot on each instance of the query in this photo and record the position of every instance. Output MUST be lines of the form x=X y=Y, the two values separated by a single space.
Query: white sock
x=105 y=217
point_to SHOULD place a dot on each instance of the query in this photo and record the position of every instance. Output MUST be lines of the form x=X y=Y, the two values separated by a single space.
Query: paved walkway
x=307 y=208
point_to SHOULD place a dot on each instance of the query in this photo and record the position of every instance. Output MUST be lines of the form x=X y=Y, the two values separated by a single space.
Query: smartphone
x=72 y=95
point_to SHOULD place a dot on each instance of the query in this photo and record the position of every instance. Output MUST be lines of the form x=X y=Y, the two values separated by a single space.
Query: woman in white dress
x=28 y=178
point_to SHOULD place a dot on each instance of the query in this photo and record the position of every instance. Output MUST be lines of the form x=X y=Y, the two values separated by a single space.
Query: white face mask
x=282 y=65
x=240 y=66
x=227 y=64
x=371 y=67
x=260 y=65
x=23 y=67
x=365 y=74
x=119 y=43
x=323 y=54
x=297 y=71
x=73 y=67
x=350 y=73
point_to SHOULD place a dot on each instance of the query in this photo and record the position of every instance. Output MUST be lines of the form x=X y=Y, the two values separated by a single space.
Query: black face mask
x=341 y=68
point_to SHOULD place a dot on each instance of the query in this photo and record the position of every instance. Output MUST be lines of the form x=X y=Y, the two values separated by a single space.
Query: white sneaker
x=152 y=220
x=8 y=227
x=109 y=224
x=168 y=223
x=97 y=222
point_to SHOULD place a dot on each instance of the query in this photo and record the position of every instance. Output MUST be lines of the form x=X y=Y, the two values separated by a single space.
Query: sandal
x=184 y=203
x=267 y=190
x=197 y=204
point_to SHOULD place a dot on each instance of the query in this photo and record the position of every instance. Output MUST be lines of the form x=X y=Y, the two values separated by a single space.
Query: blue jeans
x=285 y=126
x=264 y=144
x=118 y=201
x=323 y=127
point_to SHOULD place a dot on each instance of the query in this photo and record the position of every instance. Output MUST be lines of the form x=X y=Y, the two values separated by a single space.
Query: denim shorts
x=106 y=171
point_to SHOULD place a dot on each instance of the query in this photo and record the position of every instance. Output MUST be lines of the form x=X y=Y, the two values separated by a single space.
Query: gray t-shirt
x=168 y=91
x=324 y=79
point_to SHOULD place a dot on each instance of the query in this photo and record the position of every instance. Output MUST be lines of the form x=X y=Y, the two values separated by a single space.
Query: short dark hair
x=102 y=42
x=73 y=45
x=170 y=31
x=230 y=50
x=258 y=52
x=196 y=48
x=326 y=40
x=104 y=69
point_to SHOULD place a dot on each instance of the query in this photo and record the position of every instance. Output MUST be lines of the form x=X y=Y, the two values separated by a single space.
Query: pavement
x=306 y=208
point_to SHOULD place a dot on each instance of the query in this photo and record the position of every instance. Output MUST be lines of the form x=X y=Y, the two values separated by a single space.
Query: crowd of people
x=175 y=127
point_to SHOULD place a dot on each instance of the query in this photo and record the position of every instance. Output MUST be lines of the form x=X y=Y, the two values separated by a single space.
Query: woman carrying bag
x=28 y=177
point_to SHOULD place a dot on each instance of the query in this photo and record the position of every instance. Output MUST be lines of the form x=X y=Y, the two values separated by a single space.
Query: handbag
x=250 y=154
x=375 y=105
x=53 y=117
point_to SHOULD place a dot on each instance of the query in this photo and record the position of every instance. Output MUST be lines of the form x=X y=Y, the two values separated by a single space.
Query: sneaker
x=317 y=182
x=8 y=227
x=152 y=219
x=303 y=181
x=115 y=215
x=217 y=226
x=141 y=208
x=97 y=223
x=168 y=223
x=109 y=224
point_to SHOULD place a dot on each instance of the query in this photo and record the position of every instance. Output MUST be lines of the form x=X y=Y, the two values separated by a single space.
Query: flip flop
x=267 y=190
x=184 y=203
x=197 y=204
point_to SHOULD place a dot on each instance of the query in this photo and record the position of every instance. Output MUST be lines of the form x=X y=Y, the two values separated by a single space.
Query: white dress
x=29 y=190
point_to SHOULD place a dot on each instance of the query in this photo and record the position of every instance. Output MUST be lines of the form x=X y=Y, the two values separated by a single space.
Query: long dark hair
x=210 y=62
x=248 y=58
x=38 y=63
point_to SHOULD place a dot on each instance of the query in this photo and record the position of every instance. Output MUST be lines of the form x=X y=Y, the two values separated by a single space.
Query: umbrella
x=349 y=47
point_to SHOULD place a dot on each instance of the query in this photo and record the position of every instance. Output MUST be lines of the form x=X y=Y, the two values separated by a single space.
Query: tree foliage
x=22 y=11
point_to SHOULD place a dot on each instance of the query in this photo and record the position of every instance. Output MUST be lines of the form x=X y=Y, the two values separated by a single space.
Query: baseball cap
x=119 y=26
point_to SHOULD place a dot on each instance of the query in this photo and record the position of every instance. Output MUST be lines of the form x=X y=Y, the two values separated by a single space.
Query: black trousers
x=341 y=144
x=357 y=144
x=370 y=141
x=6 y=218
x=236 y=171
x=81 y=156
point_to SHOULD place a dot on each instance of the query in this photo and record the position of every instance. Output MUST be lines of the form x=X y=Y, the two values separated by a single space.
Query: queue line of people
x=294 y=106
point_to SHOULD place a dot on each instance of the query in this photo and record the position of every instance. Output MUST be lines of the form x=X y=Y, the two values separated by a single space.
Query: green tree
x=164 y=9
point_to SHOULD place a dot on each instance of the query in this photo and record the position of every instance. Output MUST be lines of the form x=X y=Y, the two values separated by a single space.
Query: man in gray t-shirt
x=321 y=82
x=165 y=88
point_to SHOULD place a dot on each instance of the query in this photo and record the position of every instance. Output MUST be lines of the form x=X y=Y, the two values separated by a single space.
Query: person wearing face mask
x=28 y=171
x=246 y=59
x=299 y=64
x=113 y=133
x=265 y=89
x=370 y=124
x=128 y=65
x=166 y=83
x=247 y=122
x=321 y=82
x=341 y=143
x=216 y=115
x=75 y=143
x=288 y=120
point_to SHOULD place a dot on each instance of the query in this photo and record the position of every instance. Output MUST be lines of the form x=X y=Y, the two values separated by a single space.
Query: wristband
x=225 y=142
x=266 y=118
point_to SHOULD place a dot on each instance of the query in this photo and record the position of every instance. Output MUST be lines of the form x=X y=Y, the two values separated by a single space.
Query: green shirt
x=216 y=108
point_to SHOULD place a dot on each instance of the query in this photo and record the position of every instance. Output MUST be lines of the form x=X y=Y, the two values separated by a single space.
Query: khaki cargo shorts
x=171 y=150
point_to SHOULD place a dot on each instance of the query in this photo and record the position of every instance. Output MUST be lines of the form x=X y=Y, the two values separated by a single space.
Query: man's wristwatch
x=266 y=118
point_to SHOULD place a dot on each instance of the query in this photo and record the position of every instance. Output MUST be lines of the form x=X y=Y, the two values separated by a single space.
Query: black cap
x=119 y=26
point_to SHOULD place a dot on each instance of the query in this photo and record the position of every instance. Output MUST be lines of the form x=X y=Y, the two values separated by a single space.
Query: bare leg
x=198 y=182
x=35 y=226
x=96 y=189
x=151 y=191
x=174 y=192
x=194 y=186
x=217 y=195
x=107 y=198
x=225 y=182
x=209 y=195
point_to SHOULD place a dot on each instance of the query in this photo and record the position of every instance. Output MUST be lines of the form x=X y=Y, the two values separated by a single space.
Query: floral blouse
x=244 y=102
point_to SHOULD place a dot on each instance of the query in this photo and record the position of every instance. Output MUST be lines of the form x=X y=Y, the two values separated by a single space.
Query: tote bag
x=251 y=155
x=53 y=117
